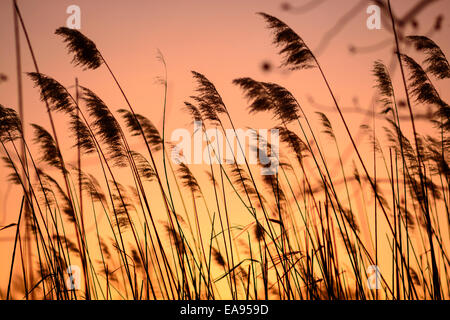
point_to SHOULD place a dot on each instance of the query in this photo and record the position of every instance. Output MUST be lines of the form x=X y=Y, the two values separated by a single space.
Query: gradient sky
x=223 y=40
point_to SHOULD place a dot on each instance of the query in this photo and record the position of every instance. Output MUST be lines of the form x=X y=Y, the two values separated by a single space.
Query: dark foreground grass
x=306 y=238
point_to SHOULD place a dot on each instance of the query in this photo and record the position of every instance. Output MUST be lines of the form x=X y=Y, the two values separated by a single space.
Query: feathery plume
x=3 y=77
x=208 y=92
x=259 y=232
x=14 y=176
x=218 y=258
x=177 y=240
x=50 y=152
x=188 y=178
x=383 y=84
x=151 y=133
x=122 y=205
x=351 y=220
x=52 y=92
x=84 y=50
x=82 y=134
x=266 y=96
x=66 y=205
x=10 y=124
x=257 y=93
x=105 y=126
x=143 y=166
x=419 y=85
x=423 y=91
x=209 y=101
x=193 y=111
x=326 y=124
x=241 y=179
x=296 y=55
x=295 y=143
x=437 y=63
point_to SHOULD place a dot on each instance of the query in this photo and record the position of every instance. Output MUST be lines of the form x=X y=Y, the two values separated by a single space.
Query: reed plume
x=10 y=124
x=52 y=92
x=50 y=152
x=291 y=247
x=188 y=179
x=269 y=97
x=436 y=63
x=85 y=51
x=135 y=122
x=106 y=127
x=296 y=55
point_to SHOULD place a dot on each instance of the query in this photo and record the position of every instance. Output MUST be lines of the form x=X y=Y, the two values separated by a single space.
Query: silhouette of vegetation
x=300 y=234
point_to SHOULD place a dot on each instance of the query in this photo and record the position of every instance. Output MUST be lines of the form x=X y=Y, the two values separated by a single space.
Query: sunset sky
x=223 y=40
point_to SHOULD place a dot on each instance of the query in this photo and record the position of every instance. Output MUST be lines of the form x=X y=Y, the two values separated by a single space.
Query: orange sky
x=223 y=40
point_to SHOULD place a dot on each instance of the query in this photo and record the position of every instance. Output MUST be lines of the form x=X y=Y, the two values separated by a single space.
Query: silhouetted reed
x=306 y=231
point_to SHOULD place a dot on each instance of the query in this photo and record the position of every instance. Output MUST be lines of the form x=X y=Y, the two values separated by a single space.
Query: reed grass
x=300 y=232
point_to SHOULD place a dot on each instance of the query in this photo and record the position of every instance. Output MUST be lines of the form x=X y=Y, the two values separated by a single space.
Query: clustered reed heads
x=52 y=92
x=304 y=238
